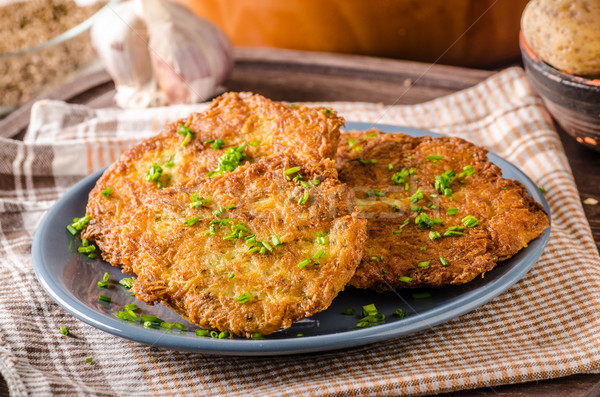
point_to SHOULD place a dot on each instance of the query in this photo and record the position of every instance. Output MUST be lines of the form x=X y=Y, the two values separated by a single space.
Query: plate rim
x=462 y=304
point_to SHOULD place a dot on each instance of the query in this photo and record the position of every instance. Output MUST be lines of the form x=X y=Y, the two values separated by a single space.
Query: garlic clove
x=120 y=38
x=191 y=56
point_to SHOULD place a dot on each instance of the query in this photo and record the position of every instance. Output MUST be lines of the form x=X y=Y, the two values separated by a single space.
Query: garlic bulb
x=158 y=53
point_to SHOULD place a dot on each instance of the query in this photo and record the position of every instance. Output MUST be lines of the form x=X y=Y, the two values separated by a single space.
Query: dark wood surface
x=299 y=76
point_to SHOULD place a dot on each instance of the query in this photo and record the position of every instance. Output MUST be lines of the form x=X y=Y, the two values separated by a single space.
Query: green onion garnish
x=256 y=336
x=105 y=298
x=291 y=171
x=170 y=163
x=106 y=192
x=183 y=130
x=452 y=211
x=405 y=279
x=104 y=282
x=126 y=282
x=89 y=360
x=192 y=221
x=304 y=263
x=467 y=170
x=154 y=173
x=399 y=178
x=417 y=196
x=202 y=332
x=223 y=335
x=434 y=158
x=231 y=276
x=423 y=264
x=64 y=330
x=433 y=235
x=444 y=261
x=243 y=298
x=320 y=254
x=255 y=143
x=276 y=241
x=179 y=326
x=78 y=224
x=373 y=161
x=230 y=160
x=304 y=198
x=470 y=221
x=217 y=144
x=167 y=325
x=543 y=189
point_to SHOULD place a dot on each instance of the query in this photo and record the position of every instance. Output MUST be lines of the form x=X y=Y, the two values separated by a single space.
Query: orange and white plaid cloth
x=545 y=326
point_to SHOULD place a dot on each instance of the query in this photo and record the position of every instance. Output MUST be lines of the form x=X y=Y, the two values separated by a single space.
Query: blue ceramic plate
x=71 y=280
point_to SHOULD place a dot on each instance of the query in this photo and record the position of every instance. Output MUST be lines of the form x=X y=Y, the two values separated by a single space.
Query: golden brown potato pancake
x=259 y=250
x=438 y=211
x=191 y=148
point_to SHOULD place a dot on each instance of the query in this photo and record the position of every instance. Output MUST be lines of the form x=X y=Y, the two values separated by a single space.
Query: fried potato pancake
x=191 y=148
x=252 y=250
x=438 y=211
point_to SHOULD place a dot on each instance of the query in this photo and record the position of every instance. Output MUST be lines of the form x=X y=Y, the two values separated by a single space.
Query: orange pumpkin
x=458 y=32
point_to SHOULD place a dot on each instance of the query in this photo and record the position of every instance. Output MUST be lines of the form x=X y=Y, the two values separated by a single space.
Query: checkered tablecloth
x=545 y=326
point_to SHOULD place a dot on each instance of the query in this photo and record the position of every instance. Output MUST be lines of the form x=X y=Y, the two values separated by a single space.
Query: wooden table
x=299 y=76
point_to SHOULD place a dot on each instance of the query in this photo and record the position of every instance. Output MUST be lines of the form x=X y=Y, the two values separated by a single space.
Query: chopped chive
x=231 y=276
x=450 y=233
x=417 y=196
x=214 y=334
x=183 y=130
x=106 y=192
x=315 y=182
x=253 y=250
x=152 y=319
x=444 y=261
x=255 y=143
x=170 y=163
x=243 y=298
x=470 y=221
x=452 y=211
x=320 y=254
x=104 y=282
x=293 y=106
x=217 y=144
x=373 y=161
x=400 y=177
x=167 y=325
x=267 y=246
x=202 y=332
x=292 y=170
x=78 y=224
x=416 y=208
x=405 y=279
x=65 y=331
x=276 y=241
x=126 y=282
x=105 y=298
x=397 y=231
x=299 y=334
x=147 y=324
x=435 y=157
x=423 y=264
x=422 y=248
x=328 y=112
x=89 y=360
x=223 y=335
x=192 y=221
x=179 y=326
x=400 y=313
x=154 y=173
x=390 y=167
x=543 y=189
x=230 y=160
x=304 y=263
x=256 y=336
x=304 y=198
x=467 y=171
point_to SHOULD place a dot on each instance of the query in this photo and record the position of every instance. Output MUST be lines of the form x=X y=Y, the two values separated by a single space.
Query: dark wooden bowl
x=573 y=101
